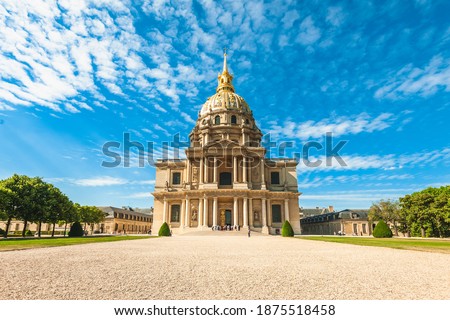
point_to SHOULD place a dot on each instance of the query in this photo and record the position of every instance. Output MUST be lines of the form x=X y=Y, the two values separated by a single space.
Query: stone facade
x=348 y=221
x=225 y=179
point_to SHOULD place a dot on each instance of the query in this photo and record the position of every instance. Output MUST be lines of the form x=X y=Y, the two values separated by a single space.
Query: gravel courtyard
x=223 y=267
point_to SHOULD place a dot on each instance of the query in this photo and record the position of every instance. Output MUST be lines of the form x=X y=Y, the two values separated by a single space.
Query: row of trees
x=425 y=213
x=33 y=200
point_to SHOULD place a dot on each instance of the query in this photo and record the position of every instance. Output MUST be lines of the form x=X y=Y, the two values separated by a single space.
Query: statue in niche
x=256 y=215
x=194 y=174
x=194 y=215
x=166 y=186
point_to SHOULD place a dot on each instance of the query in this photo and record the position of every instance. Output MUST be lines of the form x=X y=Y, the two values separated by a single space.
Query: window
x=233 y=119
x=355 y=228
x=275 y=178
x=246 y=121
x=175 y=213
x=364 y=228
x=217 y=120
x=225 y=178
x=276 y=213
x=176 y=178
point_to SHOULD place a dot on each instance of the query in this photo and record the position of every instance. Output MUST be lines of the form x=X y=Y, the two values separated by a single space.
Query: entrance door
x=228 y=217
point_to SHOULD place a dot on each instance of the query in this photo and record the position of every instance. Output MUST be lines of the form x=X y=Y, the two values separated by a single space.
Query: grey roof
x=343 y=214
x=308 y=212
x=110 y=211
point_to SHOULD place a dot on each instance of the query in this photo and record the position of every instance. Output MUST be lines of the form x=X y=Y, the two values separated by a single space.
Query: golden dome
x=225 y=100
x=225 y=97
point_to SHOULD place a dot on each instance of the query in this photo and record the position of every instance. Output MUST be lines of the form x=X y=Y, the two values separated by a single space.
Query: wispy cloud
x=385 y=162
x=338 y=126
x=101 y=181
x=411 y=80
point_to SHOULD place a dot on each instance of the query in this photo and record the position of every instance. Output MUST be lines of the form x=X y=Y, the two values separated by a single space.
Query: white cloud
x=338 y=126
x=100 y=181
x=138 y=195
x=308 y=33
x=335 y=16
x=384 y=162
x=411 y=80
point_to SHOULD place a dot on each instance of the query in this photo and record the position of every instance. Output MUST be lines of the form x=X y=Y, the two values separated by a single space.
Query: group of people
x=226 y=228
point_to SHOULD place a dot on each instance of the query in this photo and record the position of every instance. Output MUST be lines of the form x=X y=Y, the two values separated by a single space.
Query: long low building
x=126 y=220
x=348 y=221
x=117 y=221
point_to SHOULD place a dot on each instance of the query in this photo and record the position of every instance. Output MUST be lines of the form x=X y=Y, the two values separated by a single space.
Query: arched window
x=233 y=119
x=217 y=120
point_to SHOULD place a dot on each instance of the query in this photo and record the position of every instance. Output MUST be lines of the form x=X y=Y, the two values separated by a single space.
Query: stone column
x=206 y=170
x=264 y=216
x=201 y=170
x=244 y=169
x=215 y=170
x=235 y=169
x=263 y=179
x=205 y=212
x=235 y=211
x=165 y=211
x=215 y=205
x=250 y=209
x=200 y=213
x=269 y=212
x=183 y=209
x=286 y=209
x=245 y=209
x=188 y=210
x=188 y=171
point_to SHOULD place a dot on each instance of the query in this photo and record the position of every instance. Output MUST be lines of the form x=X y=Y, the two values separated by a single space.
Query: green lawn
x=21 y=244
x=434 y=245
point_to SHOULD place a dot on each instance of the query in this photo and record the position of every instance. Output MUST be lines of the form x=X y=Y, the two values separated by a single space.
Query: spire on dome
x=225 y=67
x=225 y=79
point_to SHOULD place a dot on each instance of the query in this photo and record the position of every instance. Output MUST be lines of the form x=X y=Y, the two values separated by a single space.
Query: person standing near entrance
x=249 y=232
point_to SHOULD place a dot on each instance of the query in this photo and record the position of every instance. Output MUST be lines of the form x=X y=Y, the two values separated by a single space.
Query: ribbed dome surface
x=225 y=100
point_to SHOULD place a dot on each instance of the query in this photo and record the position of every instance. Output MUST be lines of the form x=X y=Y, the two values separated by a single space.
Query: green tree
x=387 y=210
x=286 y=229
x=57 y=204
x=76 y=230
x=8 y=204
x=382 y=230
x=90 y=215
x=21 y=199
x=164 y=231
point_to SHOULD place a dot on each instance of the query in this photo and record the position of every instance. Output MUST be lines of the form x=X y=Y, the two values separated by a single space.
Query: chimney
x=331 y=208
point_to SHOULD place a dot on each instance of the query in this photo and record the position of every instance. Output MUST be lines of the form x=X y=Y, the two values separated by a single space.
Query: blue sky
x=75 y=75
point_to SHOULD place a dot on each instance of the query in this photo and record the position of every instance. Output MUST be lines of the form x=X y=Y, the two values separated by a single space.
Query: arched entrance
x=225 y=218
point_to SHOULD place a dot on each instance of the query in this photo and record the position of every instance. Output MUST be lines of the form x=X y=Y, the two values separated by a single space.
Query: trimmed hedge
x=28 y=233
x=382 y=230
x=286 y=230
x=76 y=230
x=164 y=231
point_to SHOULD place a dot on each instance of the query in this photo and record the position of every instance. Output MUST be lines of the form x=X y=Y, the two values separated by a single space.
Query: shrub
x=164 y=231
x=286 y=230
x=76 y=230
x=28 y=233
x=2 y=232
x=382 y=230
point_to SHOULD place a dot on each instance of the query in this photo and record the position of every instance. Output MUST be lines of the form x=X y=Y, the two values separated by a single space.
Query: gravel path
x=223 y=267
